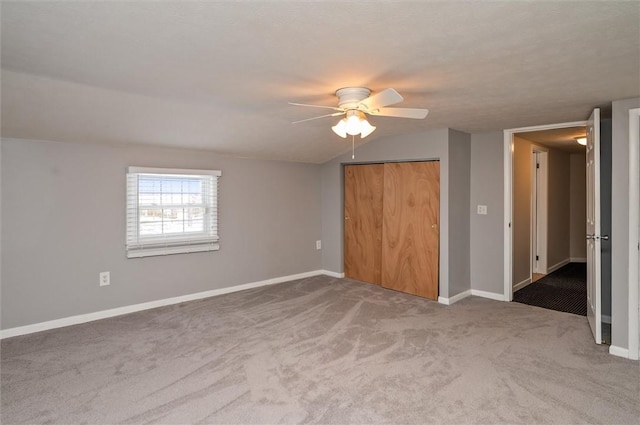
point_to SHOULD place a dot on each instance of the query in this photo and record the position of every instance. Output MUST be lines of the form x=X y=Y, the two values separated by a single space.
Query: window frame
x=138 y=245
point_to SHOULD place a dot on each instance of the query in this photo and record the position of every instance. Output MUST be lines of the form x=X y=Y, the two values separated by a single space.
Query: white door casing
x=634 y=234
x=534 y=213
x=594 y=257
x=507 y=235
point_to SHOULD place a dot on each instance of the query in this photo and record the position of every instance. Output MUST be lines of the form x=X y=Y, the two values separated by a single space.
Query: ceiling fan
x=355 y=102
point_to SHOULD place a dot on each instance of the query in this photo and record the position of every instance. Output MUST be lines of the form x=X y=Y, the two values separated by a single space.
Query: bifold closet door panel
x=410 y=230
x=363 y=186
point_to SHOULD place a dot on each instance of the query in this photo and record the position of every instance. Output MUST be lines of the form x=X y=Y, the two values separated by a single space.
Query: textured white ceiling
x=218 y=75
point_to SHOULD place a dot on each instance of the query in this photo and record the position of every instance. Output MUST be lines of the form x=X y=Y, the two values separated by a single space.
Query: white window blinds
x=171 y=211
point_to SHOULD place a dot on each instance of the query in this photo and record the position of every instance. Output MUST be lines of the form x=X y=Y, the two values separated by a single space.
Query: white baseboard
x=619 y=351
x=455 y=298
x=332 y=274
x=606 y=319
x=474 y=292
x=521 y=285
x=104 y=314
x=485 y=294
x=558 y=265
x=577 y=260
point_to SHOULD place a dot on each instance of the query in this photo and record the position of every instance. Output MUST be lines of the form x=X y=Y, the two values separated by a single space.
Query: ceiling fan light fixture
x=341 y=128
x=355 y=102
x=366 y=129
x=582 y=141
x=353 y=123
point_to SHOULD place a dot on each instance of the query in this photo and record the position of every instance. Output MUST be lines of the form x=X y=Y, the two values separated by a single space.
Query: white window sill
x=184 y=249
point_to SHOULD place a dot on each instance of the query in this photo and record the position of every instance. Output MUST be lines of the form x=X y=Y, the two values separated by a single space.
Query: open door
x=594 y=301
x=539 y=207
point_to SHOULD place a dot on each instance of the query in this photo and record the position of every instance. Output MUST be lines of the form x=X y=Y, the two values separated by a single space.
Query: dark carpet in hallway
x=563 y=290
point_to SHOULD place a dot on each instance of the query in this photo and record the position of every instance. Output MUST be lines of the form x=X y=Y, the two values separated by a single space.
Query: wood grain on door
x=410 y=230
x=363 y=185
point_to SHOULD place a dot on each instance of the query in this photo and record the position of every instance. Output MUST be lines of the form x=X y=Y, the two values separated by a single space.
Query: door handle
x=591 y=237
x=597 y=238
x=604 y=237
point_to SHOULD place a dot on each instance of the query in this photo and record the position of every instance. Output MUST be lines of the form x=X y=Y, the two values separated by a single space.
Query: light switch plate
x=482 y=209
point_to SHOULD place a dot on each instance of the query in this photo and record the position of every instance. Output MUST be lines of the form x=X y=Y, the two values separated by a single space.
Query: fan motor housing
x=349 y=97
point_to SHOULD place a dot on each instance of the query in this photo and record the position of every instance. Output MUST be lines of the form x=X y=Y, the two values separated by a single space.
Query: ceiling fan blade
x=381 y=99
x=316 y=106
x=335 y=114
x=414 y=113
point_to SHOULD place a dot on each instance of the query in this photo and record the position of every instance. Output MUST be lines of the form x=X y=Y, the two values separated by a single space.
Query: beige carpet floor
x=320 y=350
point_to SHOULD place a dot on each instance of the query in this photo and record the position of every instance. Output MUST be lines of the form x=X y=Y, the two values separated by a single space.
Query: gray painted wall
x=63 y=222
x=423 y=146
x=620 y=221
x=558 y=209
x=459 y=208
x=486 y=231
x=578 y=206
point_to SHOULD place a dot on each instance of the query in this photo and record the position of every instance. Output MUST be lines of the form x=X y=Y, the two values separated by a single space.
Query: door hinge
x=537 y=165
x=537 y=258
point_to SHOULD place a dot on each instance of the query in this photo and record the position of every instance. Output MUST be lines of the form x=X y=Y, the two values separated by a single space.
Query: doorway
x=549 y=202
x=515 y=268
x=550 y=197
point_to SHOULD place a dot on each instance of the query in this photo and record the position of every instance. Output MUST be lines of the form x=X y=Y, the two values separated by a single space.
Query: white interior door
x=539 y=211
x=594 y=302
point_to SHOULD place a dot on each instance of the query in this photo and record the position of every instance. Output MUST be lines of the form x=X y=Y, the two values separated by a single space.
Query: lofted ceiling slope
x=218 y=75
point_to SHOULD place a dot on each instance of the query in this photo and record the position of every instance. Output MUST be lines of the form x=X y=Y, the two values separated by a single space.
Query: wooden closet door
x=410 y=231
x=363 y=185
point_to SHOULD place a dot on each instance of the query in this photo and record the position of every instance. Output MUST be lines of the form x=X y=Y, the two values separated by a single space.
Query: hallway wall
x=558 y=209
x=577 y=207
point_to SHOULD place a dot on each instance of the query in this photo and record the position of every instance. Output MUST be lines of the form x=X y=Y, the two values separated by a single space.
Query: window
x=171 y=211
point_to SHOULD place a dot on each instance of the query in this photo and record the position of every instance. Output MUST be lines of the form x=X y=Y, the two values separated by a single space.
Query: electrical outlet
x=318 y=244
x=105 y=278
x=482 y=209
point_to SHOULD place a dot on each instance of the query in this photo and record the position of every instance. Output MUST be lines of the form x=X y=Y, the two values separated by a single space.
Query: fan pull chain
x=353 y=147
